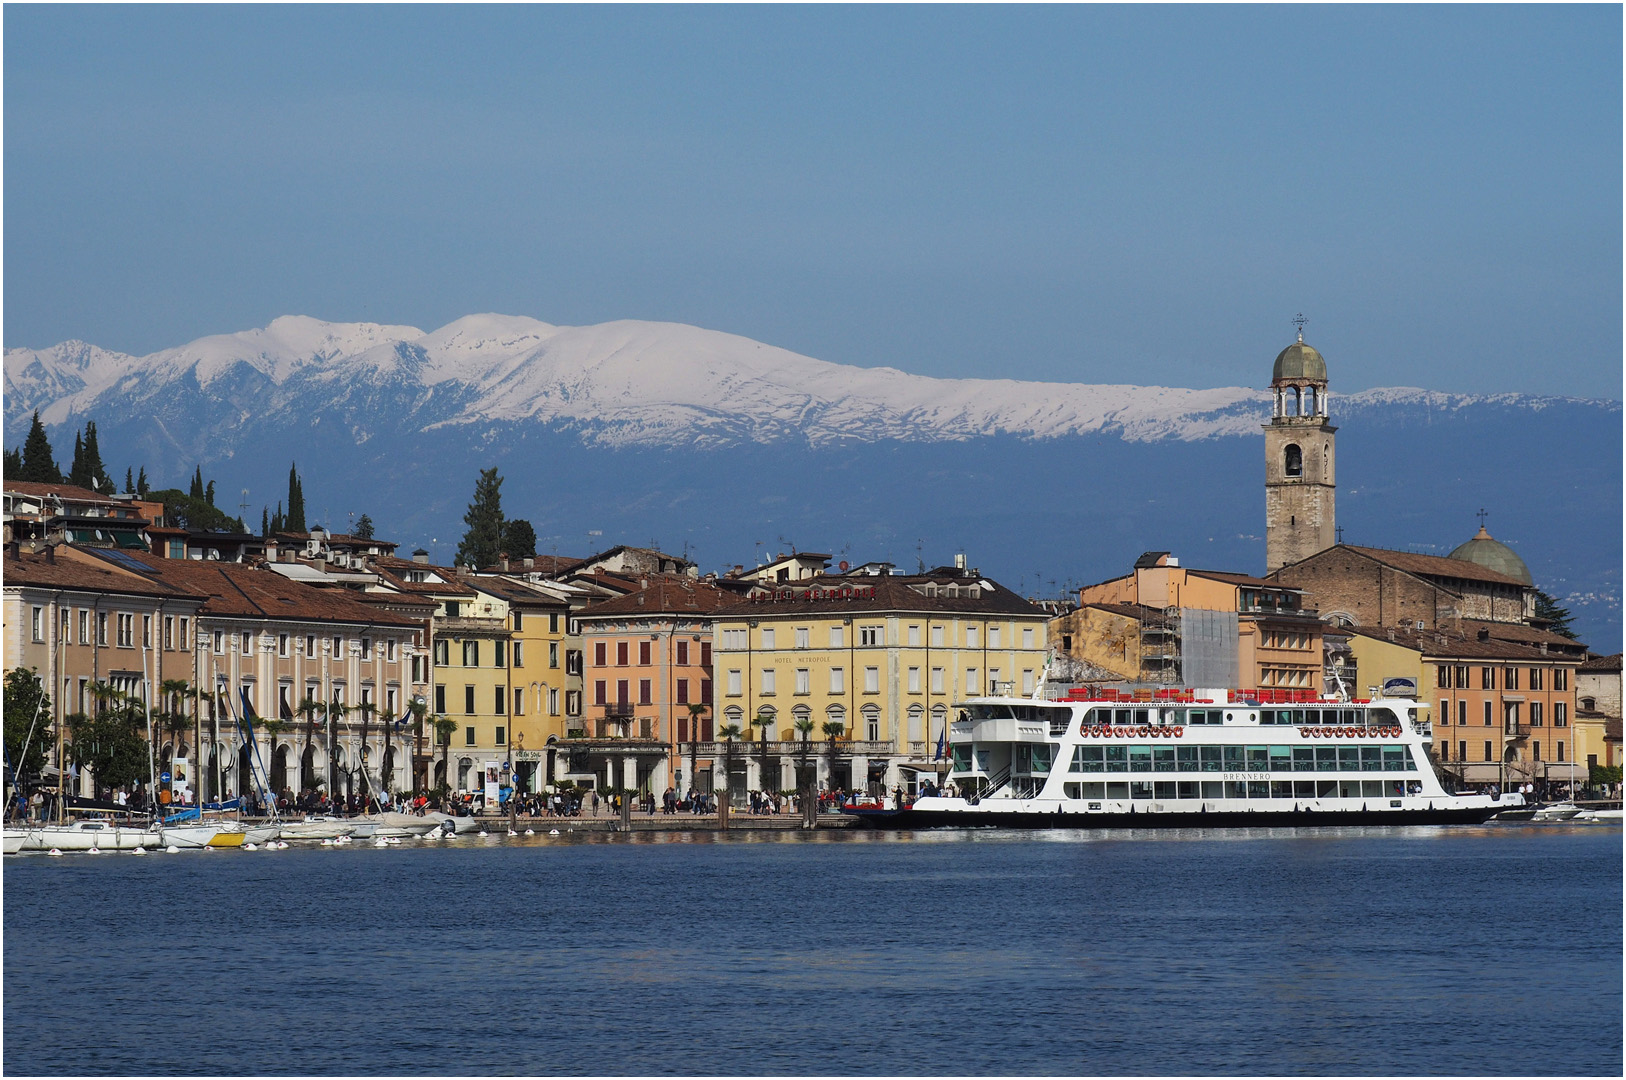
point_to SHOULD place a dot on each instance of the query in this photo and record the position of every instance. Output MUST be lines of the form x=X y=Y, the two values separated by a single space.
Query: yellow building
x=885 y=657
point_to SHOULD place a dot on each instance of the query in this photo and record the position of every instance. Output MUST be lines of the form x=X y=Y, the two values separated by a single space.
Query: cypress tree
x=483 y=541
x=13 y=464
x=94 y=469
x=296 y=500
x=78 y=474
x=38 y=463
x=265 y=522
x=209 y=493
x=197 y=484
x=141 y=483
x=129 y=481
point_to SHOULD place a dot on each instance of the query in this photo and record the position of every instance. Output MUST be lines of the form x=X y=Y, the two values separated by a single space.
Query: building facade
x=884 y=657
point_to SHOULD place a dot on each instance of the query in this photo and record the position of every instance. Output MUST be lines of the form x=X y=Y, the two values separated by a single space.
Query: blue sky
x=1087 y=194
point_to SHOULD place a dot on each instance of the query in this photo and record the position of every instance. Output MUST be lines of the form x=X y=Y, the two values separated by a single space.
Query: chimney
x=502 y=560
x=1484 y=633
x=529 y=564
x=421 y=557
x=50 y=553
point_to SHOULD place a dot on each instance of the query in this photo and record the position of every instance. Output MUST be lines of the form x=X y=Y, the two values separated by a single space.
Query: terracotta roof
x=1602 y=663
x=74 y=568
x=64 y=491
x=234 y=589
x=515 y=592
x=1437 y=566
x=1243 y=579
x=1520 y=633
x=891 y=593
x=1449 y=646
x=664 y=596
x=1128 y=611
x=389 y=570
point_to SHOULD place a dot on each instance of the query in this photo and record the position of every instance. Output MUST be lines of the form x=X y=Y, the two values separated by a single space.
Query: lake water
x=1430 y=950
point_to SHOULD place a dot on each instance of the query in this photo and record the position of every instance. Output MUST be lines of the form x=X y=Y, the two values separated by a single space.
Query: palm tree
x=419 y=711
x=833 y=730
x=765 y=719
x=308 y=707
x=729 y=733
x=366 y=709
x=336 y=711
x=804 y=728
x=444 y=726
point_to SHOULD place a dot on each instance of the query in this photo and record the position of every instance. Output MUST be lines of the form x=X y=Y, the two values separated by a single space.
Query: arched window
x=801 y=713
x=1309 y=401
x=463 y=766
x=1297 y=403
x=733 y=714
x=872 y=722
x=836 y=714
x=1293 y=460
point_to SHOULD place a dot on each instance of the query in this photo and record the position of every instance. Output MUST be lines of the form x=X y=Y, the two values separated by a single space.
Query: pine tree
x=14 y=464
x=38 y=463
x=482 y=543
x=1558 y=618
x=519 y=539
x=296 y=501
x=197 y=484
x=364 y=528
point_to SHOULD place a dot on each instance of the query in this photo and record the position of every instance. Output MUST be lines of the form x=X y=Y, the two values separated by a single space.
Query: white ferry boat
x=1196 y=758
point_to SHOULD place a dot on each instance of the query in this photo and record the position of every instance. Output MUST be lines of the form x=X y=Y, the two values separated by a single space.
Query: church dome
x=1299 y=361
x=1493 y=555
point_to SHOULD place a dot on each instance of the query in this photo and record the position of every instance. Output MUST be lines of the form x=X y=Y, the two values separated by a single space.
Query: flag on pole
x=942 y=744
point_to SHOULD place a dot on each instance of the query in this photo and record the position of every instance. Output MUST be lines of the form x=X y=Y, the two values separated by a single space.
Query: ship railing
x=995 y=783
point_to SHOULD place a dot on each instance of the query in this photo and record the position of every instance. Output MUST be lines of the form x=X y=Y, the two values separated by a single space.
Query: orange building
x=1164 y=623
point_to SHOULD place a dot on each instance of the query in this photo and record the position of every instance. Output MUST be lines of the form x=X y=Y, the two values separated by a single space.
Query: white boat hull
x=316 y=829
x=83 y=836
x=190 y=836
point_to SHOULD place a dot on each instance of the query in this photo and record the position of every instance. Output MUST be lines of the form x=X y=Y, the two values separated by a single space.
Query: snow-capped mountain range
x=625 y=383
x=713 y=444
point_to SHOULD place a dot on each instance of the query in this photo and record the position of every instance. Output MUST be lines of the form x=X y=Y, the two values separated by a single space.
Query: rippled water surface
x=1468 y=950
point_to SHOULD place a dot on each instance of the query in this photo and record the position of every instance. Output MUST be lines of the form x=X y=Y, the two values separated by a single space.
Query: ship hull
x=1165 y=819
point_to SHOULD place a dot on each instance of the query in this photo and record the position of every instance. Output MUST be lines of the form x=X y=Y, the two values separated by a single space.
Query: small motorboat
x=453 y=825
x=1559 y=811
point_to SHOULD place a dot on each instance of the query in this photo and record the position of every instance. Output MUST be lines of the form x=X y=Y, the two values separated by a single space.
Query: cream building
x=883 y=656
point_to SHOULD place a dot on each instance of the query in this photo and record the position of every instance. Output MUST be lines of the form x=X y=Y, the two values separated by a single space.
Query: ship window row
x=1324 y=717
x=1131 y=758
x=1199 y=717
x=1240 y=789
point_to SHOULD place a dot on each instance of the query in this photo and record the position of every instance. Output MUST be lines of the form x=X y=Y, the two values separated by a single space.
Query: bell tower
x=1299 y=477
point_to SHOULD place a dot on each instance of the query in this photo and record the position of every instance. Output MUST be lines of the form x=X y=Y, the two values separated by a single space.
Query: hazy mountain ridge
x=626 y=383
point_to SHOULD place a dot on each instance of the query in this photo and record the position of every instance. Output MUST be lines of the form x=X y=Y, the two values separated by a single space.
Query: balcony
x=454 y=625
x=1515 y=729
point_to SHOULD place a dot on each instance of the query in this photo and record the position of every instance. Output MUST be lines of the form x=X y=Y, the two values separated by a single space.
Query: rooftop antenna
x=1299 y=320
x=242 y=507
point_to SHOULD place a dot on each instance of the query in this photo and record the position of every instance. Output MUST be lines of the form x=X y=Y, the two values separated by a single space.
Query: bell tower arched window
x=1293 y=460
